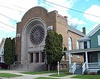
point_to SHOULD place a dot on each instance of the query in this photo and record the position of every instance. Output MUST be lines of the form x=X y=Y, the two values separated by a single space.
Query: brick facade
x=59 y=23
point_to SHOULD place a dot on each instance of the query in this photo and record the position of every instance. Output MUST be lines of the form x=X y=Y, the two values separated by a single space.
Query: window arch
x=70 y=43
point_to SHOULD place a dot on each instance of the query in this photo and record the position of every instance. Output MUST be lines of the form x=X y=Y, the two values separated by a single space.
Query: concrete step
x=78 y=71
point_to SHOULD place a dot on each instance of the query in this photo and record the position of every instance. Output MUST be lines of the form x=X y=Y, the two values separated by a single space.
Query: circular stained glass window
x=37 y=34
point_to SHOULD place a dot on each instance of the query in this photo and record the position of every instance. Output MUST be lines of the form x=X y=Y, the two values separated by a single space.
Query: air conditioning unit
x=49 y=28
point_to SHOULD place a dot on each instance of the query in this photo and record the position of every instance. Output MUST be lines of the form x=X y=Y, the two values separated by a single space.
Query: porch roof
x=82 y=50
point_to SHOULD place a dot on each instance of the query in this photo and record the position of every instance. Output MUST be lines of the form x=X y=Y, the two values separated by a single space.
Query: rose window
x=37 y=34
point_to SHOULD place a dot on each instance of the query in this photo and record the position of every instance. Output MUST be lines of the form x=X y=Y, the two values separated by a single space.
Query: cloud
x=75 y=22
x=61 y=10
x=94 y=10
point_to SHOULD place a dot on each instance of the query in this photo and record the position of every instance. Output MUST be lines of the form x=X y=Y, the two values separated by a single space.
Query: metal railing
x=73 y=68
x=83 y=68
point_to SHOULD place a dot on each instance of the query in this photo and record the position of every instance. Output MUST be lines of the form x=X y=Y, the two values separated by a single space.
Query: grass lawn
x=87 y=76
x=45 y=78
x=43 y=72
x=39 y=72
x=8 y=75
x=60 y=75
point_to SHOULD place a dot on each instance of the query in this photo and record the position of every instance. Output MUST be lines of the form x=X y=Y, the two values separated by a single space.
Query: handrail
x=73 y=68
x=83 y=68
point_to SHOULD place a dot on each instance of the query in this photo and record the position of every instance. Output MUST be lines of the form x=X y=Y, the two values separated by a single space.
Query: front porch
x=91 y=60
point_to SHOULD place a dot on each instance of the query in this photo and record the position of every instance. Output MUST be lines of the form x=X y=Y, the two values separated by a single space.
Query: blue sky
x=11 y=12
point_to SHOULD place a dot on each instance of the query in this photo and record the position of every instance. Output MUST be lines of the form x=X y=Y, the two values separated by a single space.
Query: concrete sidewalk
x=27 y=76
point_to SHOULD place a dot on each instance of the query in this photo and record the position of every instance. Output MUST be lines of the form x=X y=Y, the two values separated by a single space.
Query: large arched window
x=70 y=43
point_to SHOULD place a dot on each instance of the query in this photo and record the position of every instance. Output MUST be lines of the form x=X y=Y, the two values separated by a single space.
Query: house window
x=85 y=44
x=98 y=39
x=42 y=56
x=31 y=57
x=37 y=57
x=70 y=43
x=0 y=59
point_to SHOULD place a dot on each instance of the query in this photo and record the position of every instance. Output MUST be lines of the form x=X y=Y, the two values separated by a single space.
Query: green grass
x=8 y=75
x=60 y=75
x=87 y=76
x=39 y=72
x=45 y=78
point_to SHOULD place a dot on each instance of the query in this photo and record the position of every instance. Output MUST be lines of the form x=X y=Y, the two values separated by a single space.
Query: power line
x=72 y=9
x=10 y=8
x=14 y=5
x=7 y=17
x=8 y=25
x=89 y=23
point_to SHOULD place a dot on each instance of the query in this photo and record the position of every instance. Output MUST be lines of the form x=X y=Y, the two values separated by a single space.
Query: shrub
x=98 y=72
x=85 y=72
x=92 y=73
x=69 y=73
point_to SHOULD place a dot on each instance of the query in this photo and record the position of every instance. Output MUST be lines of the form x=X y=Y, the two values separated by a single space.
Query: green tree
x=13 y=50
x=9 y=51
x=53 y=48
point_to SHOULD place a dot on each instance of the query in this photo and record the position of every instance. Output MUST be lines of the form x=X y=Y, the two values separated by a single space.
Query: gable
x=94 y=39
x=96 y=29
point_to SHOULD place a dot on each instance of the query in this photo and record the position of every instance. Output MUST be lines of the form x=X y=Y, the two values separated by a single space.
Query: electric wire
x=72 y=9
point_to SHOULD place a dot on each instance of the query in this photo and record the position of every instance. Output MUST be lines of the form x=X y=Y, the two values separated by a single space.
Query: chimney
x=84 y=30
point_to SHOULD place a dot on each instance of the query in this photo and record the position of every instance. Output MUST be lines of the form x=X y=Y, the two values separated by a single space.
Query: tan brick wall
x=62 y=27
x=74 y=37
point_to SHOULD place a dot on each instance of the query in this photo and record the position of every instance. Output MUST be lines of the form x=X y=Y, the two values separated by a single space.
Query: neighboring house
x=2 y=50
x=90 y=50
x=31 y=34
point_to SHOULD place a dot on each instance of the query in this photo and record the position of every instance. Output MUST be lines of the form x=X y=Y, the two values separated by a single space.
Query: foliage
x=9 y=51
x=68 y=73
x=98 y=72
x=85 y=72
x=92 y=73
x=65 y=48
x=8 y=75
x=53 y=47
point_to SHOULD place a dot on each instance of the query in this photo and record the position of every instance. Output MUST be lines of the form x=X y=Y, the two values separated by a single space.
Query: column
x=86 y=57
x=69 y=62
x=40 y=57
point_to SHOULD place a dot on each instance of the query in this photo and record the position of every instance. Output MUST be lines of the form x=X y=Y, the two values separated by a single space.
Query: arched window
x=77 y=45
x=70 y=43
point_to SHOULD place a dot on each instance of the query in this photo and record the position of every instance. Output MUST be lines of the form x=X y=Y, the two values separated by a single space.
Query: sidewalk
x=27 y=76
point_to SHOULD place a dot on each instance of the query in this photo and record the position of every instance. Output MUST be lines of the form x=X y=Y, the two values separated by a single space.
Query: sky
x=80 y=13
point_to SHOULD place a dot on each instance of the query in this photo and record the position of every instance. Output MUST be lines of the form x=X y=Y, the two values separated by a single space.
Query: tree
x=9 y=51
x=13 y=50
x=53 y=48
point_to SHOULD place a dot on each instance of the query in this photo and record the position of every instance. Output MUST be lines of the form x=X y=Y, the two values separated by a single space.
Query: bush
x=98 y=72
x=85 y=72
x=92 y=73
x=69 y=73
